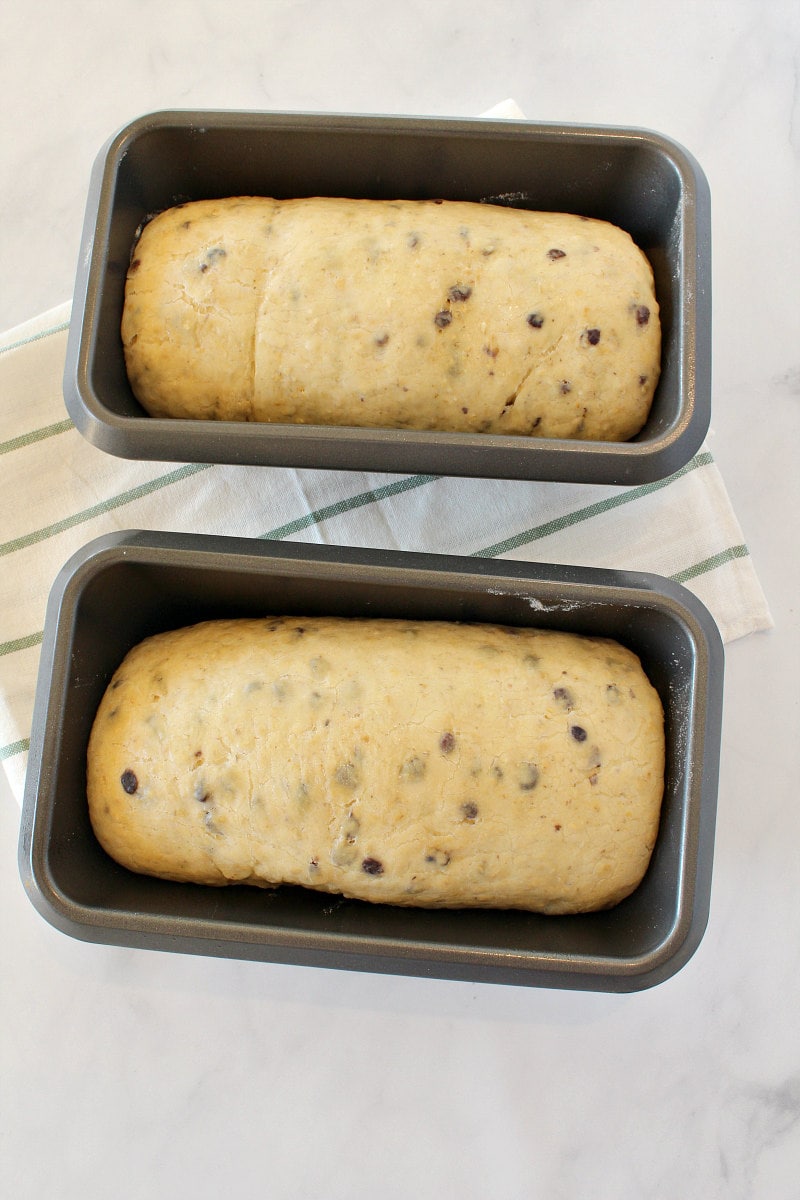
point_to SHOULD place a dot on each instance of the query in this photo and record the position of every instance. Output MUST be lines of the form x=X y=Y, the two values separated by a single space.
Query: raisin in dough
x=408 y=314
x=410 y=763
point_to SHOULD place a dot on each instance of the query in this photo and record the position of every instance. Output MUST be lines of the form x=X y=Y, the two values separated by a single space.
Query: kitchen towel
x=58 y=492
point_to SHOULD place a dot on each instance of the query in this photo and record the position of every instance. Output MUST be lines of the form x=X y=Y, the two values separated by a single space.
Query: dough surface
x=403 y=762
x=450 y=316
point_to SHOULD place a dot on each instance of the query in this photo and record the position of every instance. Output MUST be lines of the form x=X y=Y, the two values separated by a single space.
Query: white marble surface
x=132 y=1074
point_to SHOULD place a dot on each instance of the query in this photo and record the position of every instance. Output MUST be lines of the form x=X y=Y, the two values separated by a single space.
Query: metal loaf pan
x=124 y=587
x=641 y=181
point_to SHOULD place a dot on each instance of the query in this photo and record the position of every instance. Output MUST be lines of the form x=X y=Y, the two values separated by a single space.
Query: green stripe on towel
x=711 y=563
x=88 y=514
x=35 y=337
x=23 y=643
x=20 y=747
x=35 y=435
x=347 y=505
x=536 y=532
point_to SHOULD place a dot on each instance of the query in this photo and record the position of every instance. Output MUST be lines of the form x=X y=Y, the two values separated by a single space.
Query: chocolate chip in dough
x=439 y=858
x=347 y=775
x=129 y=782
x=555 y=253
x=461 y=291
x=578 y=732
x=470 y=810
x=642 y=314
x=212 y=256
x=592 y=336
x=447 y=742
x=535 y=320
x=372 y=866
x=564 y=697
x=413 y=768
x=442 y=319
x=528 y=776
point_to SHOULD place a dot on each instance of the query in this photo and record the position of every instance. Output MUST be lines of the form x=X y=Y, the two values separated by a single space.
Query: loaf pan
x=641 y=181
x=123 y=587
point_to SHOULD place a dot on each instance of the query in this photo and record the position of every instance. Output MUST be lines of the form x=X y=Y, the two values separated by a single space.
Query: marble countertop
x=134 y=1074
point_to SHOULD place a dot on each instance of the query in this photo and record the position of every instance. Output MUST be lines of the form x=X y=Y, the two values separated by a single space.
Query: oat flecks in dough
x=420 y=763
x=410 y=314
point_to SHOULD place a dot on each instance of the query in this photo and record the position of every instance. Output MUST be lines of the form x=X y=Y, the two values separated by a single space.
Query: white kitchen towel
x=58 y=492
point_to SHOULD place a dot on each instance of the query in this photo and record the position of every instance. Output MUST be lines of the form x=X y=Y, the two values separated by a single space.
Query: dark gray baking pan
x=126 y=586
x=641 y=181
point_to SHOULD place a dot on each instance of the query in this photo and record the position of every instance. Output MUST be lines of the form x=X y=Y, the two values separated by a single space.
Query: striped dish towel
x=58 y=492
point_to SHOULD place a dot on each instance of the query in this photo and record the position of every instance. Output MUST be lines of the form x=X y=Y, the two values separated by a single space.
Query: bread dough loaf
x=403 y=762
x=402 y=314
